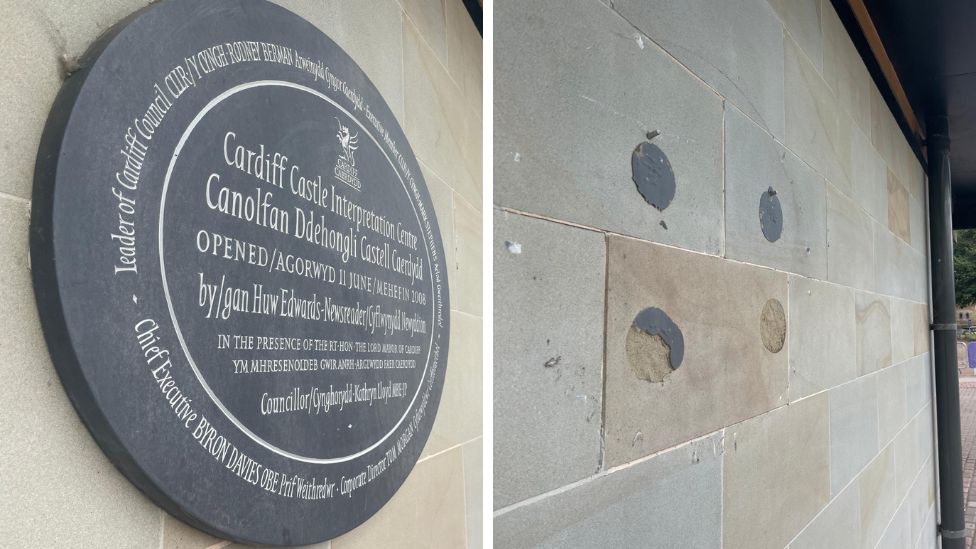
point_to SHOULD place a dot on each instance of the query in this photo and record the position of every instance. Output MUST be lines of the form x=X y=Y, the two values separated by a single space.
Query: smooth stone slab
x=853 y=429
x=823 y=339
x=755 y=163
x=726 y=375
x=672 y=496
x=873 y=319
x=869 y=177
x=878 y=499
x=902 y=330
x=775 y=475
x=837 y=526
x=735 y=47
x=548 y=332
x=567 y=122
x=850 y=244
x=892 y=397
x=801 y=18
x=899 y=217
x=844 y=71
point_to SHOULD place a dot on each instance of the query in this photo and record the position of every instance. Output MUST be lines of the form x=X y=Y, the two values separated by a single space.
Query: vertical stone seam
x=603 y=367
x=723 y=249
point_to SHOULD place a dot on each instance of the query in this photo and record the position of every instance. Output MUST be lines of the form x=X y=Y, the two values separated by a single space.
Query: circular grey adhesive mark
x=770 y=215
x=655 y=346
x=772 y=326
x=653 y=175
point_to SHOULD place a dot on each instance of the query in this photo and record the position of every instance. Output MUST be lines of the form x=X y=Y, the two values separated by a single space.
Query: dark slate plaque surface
x=239 y=271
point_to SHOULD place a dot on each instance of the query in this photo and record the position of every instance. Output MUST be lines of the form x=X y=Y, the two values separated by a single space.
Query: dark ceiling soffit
x=857 y=34
x=474 y=10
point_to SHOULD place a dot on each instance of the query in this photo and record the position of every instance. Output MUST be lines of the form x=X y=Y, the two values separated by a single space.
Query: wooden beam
x=863 y=18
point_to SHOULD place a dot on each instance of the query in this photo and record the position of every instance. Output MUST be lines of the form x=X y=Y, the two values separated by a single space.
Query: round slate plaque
x=239 y=271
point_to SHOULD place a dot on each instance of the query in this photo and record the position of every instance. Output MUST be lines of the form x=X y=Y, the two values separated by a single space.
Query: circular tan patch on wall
x=772 y=326
x=655 y=345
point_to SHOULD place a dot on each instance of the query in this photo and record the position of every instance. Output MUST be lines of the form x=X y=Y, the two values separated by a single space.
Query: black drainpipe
x=952 y=526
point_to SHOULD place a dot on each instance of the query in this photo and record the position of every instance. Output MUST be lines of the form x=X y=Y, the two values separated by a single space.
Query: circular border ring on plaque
x=239 y=271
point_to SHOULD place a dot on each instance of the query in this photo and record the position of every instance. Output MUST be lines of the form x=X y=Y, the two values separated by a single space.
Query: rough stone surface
x=50 y=467
x=717 y=306
x=546 y=419
x=31 y=70
x=822 y=336
x=755 y=163
x=873 y=318
x=776 y=474
x=669 y=497
x=772 y=326
x=853 y=429
x=735 y=47
x=850 y=242
x=567 y=121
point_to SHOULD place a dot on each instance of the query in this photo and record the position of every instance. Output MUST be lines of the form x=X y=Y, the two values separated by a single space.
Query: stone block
x=57 y=488
x=442 y=197
x=853 y=429
x=902 y=330
x=735 y=47
x=567 y=123
x=873 y=319
x=918 y=225
x=468 y=232
x=850 y=242
x=900 y=270
x=459 y=414
x=663 y=389
x=930 y=535
x=754 y=164
x=427 y=511
x=31 y=69
x=179 y=535
x=898 y=533
x=837 y=526
x=844 y=71
x=918 y=374
x=920 y=327
x=912 y=447
x=442 y=130
x=877 y=495
x=776 y=475
x=673 y=496
x=464 y=47
x=892 y=398
x=370 y=32
x=921 y=498
x=885 y=132
x=817 y=128
x=899 y=220
x=802 y=21
x=822 y=334
x=431 y=22
x=548 y=338
x=473 y=508
x=869 y=177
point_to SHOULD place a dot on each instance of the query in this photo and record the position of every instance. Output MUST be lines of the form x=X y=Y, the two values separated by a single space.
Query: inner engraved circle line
x=162 y=207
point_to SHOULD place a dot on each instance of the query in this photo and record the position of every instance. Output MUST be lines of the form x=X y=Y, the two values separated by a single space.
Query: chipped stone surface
x=717 y=305
x=873 y=316
x=850 y=242
x=567 y=122
x=853 y=429
x=734 y=46
x=776 y=474
x=669 y=497
x=898 y=213
x=822 y=336
x=754 y=163
x=547 y=420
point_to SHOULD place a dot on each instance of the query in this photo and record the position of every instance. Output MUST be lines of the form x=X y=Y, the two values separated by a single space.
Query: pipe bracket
x=943 y=327
x=952 y=534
